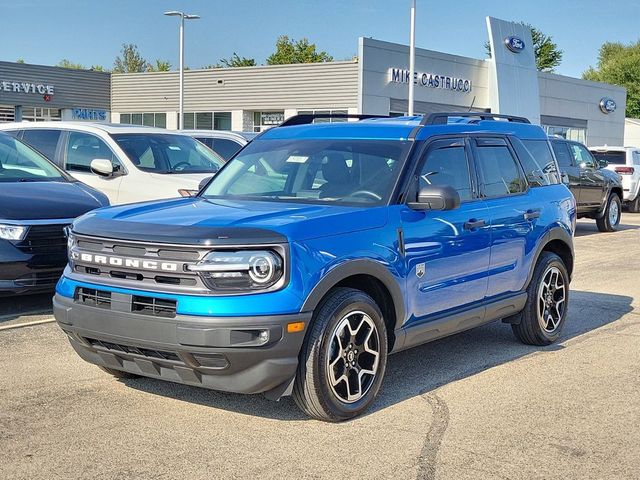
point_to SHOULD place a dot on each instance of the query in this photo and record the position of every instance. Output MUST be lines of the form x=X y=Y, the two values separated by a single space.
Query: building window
x=147 y=119
x=325 y=120
x=207 y=121
x=570 y=133
x=264 y=120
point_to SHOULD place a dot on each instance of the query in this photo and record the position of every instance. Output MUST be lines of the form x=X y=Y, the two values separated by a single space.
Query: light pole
x=412 y=54
x=183 y=16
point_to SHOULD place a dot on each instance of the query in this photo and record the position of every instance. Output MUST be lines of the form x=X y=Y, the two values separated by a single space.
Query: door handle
x=531 y=214
x=473 y=224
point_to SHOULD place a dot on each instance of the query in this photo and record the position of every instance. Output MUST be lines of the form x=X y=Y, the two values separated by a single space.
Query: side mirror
x=203 y=182
x=102 y=167
x=436 y=197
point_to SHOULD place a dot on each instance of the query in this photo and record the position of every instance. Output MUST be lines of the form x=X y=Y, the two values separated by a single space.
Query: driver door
x=81 y=148
x=447 y=252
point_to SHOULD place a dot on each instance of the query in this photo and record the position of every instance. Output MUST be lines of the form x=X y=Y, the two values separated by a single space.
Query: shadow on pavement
x=17 y=306
x=590 y=228
x=424 y=368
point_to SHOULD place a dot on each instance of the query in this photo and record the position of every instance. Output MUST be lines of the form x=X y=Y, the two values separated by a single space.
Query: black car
x=37 y=201
x=598 y=191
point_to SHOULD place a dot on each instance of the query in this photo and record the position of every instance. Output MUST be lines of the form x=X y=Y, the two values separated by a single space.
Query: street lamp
x=412 y=55
x=183 y=16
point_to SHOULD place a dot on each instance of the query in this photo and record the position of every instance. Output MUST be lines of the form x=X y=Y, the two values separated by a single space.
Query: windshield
x=21 y=163
x=167 y=153
x=312 y=171
x=616 y=158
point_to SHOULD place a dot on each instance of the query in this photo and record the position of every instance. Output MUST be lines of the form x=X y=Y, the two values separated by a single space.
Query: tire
x=328 y=396
x=119 y=373
x=542 y=330
x=634 y=206
x=611 y=218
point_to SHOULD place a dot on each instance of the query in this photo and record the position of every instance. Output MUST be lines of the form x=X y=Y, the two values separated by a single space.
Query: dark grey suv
x=598 y=191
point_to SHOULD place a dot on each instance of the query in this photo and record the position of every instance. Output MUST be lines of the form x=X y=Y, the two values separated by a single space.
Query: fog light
x=264 y=336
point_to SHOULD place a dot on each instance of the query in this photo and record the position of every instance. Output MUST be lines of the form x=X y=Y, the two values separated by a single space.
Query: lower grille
x=93 y=297
x=145 y=352
x=158 y=307
x=43 y=280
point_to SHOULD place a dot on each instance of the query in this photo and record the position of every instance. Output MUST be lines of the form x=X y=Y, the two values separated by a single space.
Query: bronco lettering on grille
x=124 y=262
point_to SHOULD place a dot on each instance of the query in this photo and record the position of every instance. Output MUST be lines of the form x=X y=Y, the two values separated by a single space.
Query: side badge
x=420 y=270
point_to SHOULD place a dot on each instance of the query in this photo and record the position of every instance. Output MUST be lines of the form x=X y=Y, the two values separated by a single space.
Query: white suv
x=128 y=163
x=625 y=161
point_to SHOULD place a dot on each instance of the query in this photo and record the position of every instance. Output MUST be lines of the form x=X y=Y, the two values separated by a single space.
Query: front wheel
x=343 y=358
x=611 y=218
x=545 y=312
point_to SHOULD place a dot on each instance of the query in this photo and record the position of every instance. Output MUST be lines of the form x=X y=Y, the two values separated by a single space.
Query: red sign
x=47 y=97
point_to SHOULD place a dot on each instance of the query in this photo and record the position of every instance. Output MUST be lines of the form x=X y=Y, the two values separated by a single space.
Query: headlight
x=13 y=232
x=240 y=270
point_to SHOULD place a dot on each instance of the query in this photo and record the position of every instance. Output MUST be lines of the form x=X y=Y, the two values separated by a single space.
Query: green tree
x=548 y=55
x=65 y=63
x=130 y=60
x=619 y=64
x=20 y=60
x=237 y=61
x=161 y=66
x=301 y=51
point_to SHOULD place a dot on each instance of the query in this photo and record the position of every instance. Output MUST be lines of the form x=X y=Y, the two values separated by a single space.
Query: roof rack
x=443 y=118
x=306 y=118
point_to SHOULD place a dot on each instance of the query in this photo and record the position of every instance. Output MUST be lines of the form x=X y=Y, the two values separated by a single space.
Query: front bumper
x=28 y=273
x=209 y=352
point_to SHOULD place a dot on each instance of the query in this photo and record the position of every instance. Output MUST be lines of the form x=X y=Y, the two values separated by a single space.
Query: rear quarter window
x=537 y=161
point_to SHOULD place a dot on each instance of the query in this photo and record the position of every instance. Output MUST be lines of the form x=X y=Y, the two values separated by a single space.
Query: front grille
x=93 y=297
x=44 y=239
x=178 y=280
x=40 y=279
x=158 y=307
x=145 y=352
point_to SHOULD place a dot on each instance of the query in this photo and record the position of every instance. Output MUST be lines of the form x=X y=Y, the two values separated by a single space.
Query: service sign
x=430 y=80
x=514 y=44
x=26 y=87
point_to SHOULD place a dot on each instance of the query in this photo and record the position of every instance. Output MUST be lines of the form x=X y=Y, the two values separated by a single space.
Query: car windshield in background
x=167 y=153
x=312 y=171
x=20 y=163
x=616 y=158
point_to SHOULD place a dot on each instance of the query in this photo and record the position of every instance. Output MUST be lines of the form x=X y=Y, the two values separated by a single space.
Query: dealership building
x=376 y=82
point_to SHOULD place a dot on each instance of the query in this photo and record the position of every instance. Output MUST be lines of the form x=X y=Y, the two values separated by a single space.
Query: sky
x=91 y=32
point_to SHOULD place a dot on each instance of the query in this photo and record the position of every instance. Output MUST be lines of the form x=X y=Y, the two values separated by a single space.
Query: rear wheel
x=547 y=299
x=611 y=219
x=634 y=206
x=343 y=358
x=119 y=373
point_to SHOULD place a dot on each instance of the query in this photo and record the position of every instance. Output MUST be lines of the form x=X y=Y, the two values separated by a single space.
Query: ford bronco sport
x=318 y=250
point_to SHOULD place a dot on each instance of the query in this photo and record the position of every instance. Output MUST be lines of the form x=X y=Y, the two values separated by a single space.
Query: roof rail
x=306 y=118
x=443 y=118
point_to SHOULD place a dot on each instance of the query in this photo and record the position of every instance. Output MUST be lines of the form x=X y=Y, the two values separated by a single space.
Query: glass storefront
x=577 y=134
x=146 y=119
x=207 y=121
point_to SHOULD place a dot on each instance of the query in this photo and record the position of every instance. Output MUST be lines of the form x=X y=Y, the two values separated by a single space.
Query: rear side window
x=224 y=147
x=446 y=164
x=538 y=163
x=615 y=158
x=45 y=141
x=498 y=170
x=564 y=157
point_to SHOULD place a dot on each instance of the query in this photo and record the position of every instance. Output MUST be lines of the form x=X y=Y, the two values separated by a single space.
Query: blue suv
x=321 y=248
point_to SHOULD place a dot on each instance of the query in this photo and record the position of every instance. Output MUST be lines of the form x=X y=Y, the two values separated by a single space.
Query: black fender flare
x=555 y=233
x=358 y=267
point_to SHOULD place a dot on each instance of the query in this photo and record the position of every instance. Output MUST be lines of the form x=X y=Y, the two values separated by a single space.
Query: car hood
x=47 y=200
x=205 y=221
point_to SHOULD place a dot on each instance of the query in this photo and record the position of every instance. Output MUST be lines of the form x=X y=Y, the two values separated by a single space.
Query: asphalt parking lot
x=476 y=405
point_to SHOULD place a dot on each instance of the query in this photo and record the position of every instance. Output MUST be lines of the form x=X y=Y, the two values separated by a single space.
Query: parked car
x=320 y=249
x=625 y=161
x=37 y=201
x=598 y=191
x=223 y=142
x=126 y=162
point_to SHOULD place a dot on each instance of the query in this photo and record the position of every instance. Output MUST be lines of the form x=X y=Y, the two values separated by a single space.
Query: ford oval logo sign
x=515 y=44
x=608 y=105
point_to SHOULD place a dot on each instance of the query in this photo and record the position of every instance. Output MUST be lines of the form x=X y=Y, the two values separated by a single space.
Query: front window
x=20 y=163
x=343 y=172
x=167 y=153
